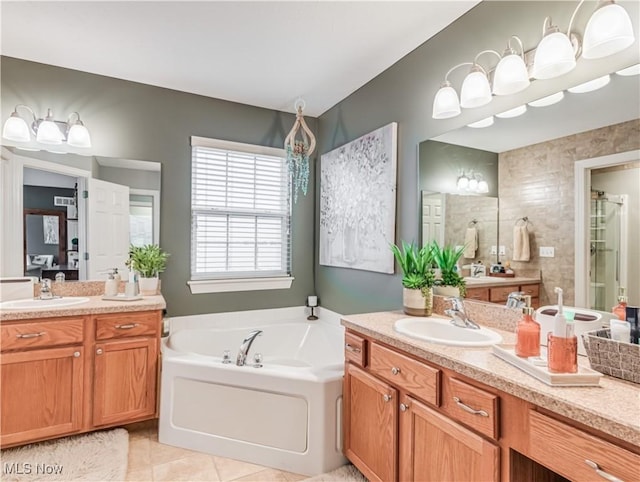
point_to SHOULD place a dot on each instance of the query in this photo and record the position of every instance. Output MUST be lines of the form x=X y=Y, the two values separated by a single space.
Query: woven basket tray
x=611 y=357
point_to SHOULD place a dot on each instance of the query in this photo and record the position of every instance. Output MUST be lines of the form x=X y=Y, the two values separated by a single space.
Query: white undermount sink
x=440 y=330
x=36 y=303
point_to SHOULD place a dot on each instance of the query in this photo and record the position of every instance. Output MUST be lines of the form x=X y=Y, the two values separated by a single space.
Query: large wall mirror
x=528 y=182
x=96 y=207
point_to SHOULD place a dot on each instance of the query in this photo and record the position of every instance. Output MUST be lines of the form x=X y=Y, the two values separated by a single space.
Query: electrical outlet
x=547 y=252
x=494 y=249
x=502 y=251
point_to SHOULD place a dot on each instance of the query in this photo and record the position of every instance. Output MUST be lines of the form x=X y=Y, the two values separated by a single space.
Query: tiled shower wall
x=537 y=181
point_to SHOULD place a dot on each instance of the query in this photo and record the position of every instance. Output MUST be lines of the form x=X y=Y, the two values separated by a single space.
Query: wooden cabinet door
x=124 y=387
x=435 y=448
x=42 y=394
x=370 y=424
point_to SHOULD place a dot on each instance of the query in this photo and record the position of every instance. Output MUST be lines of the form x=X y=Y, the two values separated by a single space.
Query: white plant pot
x=416 y=303
x=446 y=291
x=148 y=286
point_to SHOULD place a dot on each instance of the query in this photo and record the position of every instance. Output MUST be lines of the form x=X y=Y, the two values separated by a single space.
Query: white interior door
x=432 y=218
x=107 y=228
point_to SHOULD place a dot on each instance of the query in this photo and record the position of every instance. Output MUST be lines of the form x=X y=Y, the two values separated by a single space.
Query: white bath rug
x=346 y=473
x=98 y=456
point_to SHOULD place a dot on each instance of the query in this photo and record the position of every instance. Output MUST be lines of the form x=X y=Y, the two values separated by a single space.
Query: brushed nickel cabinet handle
x=127 y=326
x=403 y=407
x=352 y=348
x=76 y=354
x=600 y=472
x=99 y=351
x=31 y=335
x=386 y=397
x=467 y=408
x=395 y=370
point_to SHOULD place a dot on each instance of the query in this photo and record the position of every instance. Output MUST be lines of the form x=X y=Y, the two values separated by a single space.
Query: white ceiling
x=261 y=53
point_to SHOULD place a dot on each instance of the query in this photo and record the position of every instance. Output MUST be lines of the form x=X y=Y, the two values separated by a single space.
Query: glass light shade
x=510 y=76
x=78 y=136
x=473 y=184
x=548 y=100
x=554 y=56
x=515 y=112
x=483 y=187
x=48 y=133
x=608 y=31
x=482 y=123
x=633 y=70
x=476 y=90
x=463 y=182
x=591 y=85
x=16 y=129
x=446 y=103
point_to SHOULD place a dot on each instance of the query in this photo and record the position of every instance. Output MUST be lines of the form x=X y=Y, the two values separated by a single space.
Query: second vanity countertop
x=611 y=408
x=95 y=305
x=498 y=281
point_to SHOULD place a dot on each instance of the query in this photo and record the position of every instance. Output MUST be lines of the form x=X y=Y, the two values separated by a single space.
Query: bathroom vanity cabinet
x=74 y=374
x=408 y=419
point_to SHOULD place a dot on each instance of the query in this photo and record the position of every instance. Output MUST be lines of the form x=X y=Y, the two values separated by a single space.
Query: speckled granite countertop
x=497 y=281
x=95 y=305
x=612 y=407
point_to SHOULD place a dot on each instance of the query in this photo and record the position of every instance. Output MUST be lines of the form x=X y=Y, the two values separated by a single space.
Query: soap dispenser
x=620 y=310
x=111 y=285
x=527 y=332
x=562 y=343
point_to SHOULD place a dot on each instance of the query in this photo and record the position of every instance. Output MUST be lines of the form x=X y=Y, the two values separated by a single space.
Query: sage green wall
x=137 y=121
x=404 y=94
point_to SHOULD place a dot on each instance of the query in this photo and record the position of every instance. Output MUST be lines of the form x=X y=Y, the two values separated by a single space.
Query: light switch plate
x=494 y=249
x=547 y=252
x=502 y=251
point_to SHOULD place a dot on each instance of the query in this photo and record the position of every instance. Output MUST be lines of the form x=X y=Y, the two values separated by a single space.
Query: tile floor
x=149 y=460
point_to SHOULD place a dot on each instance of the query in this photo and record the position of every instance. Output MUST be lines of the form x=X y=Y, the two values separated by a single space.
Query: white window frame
x=224 y=283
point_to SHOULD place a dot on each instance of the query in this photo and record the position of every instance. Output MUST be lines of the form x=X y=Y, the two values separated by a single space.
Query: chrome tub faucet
x=245 y=346
x=458 y=315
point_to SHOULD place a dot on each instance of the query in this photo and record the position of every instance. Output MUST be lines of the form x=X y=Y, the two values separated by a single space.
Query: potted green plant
x=418 y=277
x=450 y=283
x=148 y=261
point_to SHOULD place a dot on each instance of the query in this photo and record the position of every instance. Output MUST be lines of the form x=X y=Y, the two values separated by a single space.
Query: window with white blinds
x=240 y=211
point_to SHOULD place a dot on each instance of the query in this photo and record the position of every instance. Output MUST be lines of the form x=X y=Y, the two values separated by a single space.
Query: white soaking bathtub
x=286 y=414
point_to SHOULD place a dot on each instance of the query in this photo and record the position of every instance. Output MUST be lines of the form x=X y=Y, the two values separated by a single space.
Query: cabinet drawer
x=127 y=324
x=355 y=349
x=531 y=290
x=39 y=334
x=570 y=451
x=501 y=293
x=478 y=294
x=416 y=378
x=474 y=407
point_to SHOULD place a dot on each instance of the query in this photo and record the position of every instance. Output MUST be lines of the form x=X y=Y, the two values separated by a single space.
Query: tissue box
x=614 y=358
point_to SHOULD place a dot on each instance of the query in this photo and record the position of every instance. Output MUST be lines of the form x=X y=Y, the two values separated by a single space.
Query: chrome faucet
x=45 y=289
x=245 y=346
x=515 y=299
x=458 y=315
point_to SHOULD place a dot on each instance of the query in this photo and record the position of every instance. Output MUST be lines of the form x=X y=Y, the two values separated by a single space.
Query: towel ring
x=525 y=220
x=472 y=223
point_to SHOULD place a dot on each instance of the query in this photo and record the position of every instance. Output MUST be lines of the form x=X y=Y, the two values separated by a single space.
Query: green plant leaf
x=148 y=260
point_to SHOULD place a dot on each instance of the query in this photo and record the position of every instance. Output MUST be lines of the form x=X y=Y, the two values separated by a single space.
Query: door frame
x=582 y=175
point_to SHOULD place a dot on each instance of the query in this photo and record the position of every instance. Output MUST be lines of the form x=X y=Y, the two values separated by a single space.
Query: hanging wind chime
x=298 y=151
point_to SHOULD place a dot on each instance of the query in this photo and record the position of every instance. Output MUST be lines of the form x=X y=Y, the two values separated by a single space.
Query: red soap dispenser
x=620 y=310
x=527 y=332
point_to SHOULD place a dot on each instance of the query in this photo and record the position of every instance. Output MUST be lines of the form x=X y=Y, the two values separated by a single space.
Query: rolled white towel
x=470 y=243
x=521 y=250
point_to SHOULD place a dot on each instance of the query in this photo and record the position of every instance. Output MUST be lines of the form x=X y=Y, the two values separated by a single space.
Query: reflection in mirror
x=53 y=181
x=537 y=152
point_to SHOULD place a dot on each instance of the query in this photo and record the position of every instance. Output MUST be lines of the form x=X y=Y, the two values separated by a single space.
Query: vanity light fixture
x=47 y=130
x=548 y=100
x=473 y=184
x=511 y=74
x=591 y=85
x=515 y=112
x=633 y=70
x=482 y=123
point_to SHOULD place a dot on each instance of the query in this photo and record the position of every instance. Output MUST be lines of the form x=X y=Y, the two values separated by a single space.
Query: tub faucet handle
x=257 y=358
x=226 y=357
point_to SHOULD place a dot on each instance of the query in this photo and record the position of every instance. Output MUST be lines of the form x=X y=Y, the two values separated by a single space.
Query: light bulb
x=16 y=129
x=483 y=187
x=48 y=133
x=78 y=136
x=446 y=103
x=554 y=55
x=463 y=182
x=476 y=90
x=510 y=76
x=608 y=31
